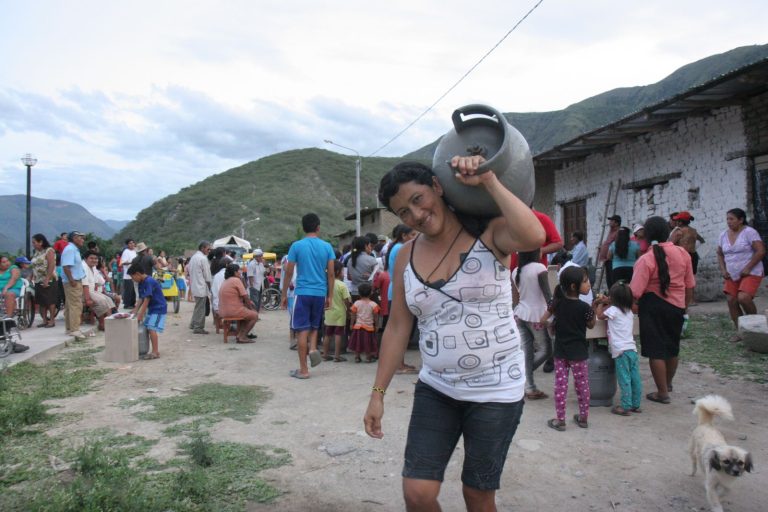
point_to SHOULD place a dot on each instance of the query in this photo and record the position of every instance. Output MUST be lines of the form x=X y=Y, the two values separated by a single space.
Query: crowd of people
x=474 y=292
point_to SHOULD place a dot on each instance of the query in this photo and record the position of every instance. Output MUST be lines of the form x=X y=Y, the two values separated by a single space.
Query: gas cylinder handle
x=478 y=115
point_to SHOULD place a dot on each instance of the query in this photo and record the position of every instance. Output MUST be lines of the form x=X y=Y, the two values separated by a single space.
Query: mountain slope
x=278 y=189
x=49 y=216
x=544 y=130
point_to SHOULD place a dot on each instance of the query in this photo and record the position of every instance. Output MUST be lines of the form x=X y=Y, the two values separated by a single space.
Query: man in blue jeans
x=314 y=284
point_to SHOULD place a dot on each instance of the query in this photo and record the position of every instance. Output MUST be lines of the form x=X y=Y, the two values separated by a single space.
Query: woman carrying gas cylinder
x=454 y=279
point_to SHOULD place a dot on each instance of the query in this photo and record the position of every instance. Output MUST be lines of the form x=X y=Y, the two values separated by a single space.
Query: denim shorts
x=155 y=322
x=437 y=422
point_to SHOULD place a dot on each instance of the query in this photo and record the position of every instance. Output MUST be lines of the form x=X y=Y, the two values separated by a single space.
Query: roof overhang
x=732 y=88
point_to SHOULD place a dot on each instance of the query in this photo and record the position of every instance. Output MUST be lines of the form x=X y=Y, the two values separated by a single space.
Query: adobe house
x=372 y=220
x=704 y=150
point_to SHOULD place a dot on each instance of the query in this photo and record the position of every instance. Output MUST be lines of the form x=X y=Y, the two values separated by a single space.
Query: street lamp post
x=358 y=166
x=29 y=161
x=243 y=223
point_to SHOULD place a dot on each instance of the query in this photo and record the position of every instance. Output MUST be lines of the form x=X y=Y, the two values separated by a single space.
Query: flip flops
x=556 y=424
x=536 y=395
x=654 y=397
x=315 y=358
x=339 y=359
x=297 y=375
x=327 y=358
x=620 y=411
x=150 y=356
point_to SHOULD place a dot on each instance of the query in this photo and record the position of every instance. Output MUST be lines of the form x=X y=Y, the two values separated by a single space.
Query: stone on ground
x=753 y=330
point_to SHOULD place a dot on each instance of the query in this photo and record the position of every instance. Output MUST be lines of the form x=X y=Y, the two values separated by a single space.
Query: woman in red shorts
x=740 y=256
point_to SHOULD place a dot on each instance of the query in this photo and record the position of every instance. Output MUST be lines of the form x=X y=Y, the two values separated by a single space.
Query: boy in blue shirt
x=314 y=287
x=153 y=309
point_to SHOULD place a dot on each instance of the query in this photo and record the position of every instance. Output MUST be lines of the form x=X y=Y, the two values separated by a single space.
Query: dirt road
x=638 y=463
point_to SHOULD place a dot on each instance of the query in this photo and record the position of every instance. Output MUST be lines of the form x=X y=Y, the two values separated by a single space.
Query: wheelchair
x=10 y=337
x=25 y=306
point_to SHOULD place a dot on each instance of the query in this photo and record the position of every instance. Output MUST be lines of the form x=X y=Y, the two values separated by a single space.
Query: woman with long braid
x=662 y=284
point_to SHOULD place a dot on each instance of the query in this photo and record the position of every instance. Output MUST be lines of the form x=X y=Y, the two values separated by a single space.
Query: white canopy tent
x=232 y=240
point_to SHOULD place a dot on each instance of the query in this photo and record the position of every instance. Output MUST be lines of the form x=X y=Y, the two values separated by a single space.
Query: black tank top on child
x=571 y=317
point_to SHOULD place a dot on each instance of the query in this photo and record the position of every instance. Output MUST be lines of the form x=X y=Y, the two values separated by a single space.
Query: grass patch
x=707 y=343
x=207 y=404
x=113 y=472
x=25 y=386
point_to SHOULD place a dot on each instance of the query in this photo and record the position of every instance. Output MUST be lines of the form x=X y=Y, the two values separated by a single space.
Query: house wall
x=544 y=198
x=703 y=177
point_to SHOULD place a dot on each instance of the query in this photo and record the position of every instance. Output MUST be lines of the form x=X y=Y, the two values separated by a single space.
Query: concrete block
x=753 y=330
x=121 y=340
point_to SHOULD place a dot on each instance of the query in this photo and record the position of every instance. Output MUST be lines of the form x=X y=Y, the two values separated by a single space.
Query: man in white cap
x=256 y=277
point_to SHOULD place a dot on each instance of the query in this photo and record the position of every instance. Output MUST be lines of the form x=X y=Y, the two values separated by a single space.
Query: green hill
x=278 y=189
x=543 y=130
x=49 y=216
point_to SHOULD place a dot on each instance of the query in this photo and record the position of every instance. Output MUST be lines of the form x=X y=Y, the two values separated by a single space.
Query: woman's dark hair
x=39 y=237
x=416 y=172
x=398 y=233
x=621 y=296
x=524 y=258
x=358 y=247
x=657 y=230
x=622 y=243
x=561 y=257
x=231 y=270
x=739 y=214
x=364 y=289
x=337 y=267
x=570 y=277
x=404 y=172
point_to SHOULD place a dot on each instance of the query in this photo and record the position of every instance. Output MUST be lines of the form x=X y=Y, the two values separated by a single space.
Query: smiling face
x=420 y=207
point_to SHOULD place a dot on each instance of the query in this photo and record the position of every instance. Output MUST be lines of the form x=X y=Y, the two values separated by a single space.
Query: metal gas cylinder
x=602 y=375
x=483 y=130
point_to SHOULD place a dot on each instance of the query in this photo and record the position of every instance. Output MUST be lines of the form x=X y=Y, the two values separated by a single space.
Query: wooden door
x=574 y=219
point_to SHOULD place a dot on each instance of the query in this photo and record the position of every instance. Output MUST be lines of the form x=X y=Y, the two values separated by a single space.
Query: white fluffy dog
x=720 y=462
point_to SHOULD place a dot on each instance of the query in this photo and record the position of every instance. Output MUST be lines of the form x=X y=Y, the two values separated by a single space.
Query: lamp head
x=29 y=160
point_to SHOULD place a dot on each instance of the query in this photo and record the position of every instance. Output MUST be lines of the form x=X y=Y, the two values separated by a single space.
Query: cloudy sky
x=126 y=102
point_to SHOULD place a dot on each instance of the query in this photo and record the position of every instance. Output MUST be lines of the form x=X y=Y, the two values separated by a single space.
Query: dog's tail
x=710 y=406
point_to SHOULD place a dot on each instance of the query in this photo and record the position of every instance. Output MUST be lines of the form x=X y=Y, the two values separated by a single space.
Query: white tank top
x=470 y=346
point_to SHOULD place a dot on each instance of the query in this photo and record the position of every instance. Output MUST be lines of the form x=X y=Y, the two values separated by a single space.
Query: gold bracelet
x=379 y=389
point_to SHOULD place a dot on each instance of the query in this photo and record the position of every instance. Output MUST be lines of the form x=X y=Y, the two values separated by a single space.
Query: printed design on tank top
x=466 y=323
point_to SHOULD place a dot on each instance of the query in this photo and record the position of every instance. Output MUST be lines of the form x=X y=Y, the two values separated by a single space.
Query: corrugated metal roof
x=732 y=88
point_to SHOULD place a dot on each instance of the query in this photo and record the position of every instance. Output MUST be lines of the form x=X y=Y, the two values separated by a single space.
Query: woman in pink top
x=662 y=284
x=740 y=253
x=235 y=302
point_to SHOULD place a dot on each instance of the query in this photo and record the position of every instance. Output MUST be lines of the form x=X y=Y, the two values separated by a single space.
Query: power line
x=465 y=75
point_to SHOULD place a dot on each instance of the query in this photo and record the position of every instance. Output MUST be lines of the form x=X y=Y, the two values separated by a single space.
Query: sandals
x=245 y=341
x=339 y=359
x=150 y=356
x=327 y=358
x=654 y=397
x=581 y=423
x=636 y=409
x=358 y=359
x=314 y=358
x=296 y=374
x=556 y=424
x=618 y=410
x=536 y=395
